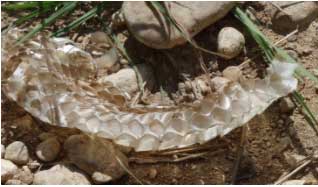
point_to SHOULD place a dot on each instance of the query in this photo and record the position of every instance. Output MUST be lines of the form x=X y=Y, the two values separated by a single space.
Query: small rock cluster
x=95 y=159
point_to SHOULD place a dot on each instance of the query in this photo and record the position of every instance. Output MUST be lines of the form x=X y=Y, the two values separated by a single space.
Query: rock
x=34 y=165
x=232 y=73
x=230 y=42
x=150 y=26
x=117 y=20
x=17 y=152
x=126 y=79
x=60 y=175
x=93 y=154
x=152 y=173
x=294 y=182
x=24 y=175
x=286 y=105
x=25 y=123
x=8 y=169
x=100 y=38
x=293 y=159
x=48 y=150
x=15 y=182
x=299 y=14
x=293 y=54
x=46 y=135
x=100 y=178
x=107 y=61
x=3 y=150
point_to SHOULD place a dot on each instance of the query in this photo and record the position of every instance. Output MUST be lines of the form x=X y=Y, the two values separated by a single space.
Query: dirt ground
x=269 y=136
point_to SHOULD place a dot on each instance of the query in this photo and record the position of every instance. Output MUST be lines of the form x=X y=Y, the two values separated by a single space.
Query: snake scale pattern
x=54 y=82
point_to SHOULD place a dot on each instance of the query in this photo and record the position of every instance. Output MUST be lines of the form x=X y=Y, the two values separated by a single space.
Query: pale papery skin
x=55 y=86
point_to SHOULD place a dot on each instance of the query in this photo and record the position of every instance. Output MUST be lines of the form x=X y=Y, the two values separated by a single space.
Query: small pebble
x=293 y=159
x=48 y=150
x=101 y=178
x=280 y=122
x=25 y=175
x=293 y=54
x=230 y=42
x=286 y=105
x=8 y=169
x=153 y=173
x=34 y=165
x=292 y=131
x=294 y=182
x=17 y=152
x=15 y=182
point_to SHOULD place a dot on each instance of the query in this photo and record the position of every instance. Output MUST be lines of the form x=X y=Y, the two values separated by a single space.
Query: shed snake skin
x=55 y=84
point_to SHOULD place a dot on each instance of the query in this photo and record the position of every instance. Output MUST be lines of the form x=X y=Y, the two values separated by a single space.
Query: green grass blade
x=300 y=99
x=271 y=51
x=68 y=6
x=77 y=22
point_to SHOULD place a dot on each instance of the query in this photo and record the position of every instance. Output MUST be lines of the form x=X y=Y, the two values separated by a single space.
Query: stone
x=25 y=175
x=17 y=152
x=100 y=178
x=3 y=150
x=293 y=54
x=293 y=159
x=33 y=165
x=46 y=135
x=117 y=20
x=48 y=150
x=60 y=175
x=230 y=42
x=153 y=173
x=25 y=123
x=294 y=182
x=8 y=169
x=15 y=182
x=294 y=15
x=93 y=154
x=148 y=25
x=107 y=60
x=126 y=79
x=100 y=38
x=286 y=105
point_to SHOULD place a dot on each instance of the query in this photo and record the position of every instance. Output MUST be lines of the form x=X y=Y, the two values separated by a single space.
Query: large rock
x=93 y=154
x=48 y=149
x=60 y=175
x=17 y=152
x=8 y=169
x=294 y=14
x=152 y=28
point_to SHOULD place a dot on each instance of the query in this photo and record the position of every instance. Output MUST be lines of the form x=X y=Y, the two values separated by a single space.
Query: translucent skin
x=47 y=84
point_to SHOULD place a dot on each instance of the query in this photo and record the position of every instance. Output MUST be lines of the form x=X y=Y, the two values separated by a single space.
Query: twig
x=128 y=171
x=153 y=160
x=190 y=149
x=280 y=181
x=286 y=37
x=239 y=154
